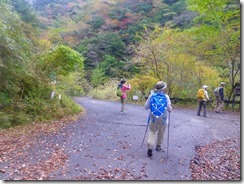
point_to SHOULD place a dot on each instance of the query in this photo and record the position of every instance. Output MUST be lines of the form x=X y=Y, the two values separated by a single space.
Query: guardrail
x=175 y=100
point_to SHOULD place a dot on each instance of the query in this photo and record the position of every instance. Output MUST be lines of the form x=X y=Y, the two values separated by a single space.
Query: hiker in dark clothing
x=220 y=98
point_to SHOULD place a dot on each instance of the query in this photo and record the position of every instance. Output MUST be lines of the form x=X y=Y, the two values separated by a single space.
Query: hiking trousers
x=219 y=104
x=156 y=129
x=123 y=101
x=202 y=104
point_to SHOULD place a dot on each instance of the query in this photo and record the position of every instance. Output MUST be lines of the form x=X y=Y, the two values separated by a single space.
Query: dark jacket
x=221 y=93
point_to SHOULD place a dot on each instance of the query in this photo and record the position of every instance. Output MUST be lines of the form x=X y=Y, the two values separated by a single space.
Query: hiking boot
x=149 y=152
x=158 y=148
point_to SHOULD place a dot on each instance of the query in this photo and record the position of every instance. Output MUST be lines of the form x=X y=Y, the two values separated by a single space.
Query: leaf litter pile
x=219 y=160
x=27 y=153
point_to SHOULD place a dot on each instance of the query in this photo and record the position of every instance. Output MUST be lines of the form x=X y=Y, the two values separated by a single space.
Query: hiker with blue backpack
x=160 y=105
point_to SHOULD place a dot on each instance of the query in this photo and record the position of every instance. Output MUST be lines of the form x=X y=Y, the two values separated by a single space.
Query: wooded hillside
x=54 y=49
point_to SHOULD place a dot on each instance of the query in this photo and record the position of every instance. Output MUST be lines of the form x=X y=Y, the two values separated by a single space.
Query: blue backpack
x=158 y=103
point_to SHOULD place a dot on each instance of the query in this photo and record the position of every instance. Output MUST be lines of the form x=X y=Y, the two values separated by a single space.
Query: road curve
x=109 y=142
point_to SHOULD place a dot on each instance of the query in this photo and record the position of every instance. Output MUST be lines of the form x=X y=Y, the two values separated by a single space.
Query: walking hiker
x=123 y=98
x=219 y=94
x=202 y=97
x=158 y=103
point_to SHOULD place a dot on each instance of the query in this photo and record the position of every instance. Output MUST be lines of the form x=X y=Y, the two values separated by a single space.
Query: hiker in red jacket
x=123 y=98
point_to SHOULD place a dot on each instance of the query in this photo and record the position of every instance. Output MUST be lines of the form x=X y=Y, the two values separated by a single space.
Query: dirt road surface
x=105 y=144
x=113 y=140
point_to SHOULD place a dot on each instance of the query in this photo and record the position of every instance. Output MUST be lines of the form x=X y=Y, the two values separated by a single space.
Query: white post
x=52 y=94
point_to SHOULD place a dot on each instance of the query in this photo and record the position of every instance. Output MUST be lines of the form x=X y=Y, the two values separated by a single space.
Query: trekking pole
x=146 y=130
x=168 y=137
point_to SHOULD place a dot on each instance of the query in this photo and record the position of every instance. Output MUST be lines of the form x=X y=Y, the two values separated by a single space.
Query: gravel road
x=109 y=143
x=106 y=145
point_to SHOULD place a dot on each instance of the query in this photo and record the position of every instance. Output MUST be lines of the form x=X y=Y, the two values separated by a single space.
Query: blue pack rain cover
x=158 y=103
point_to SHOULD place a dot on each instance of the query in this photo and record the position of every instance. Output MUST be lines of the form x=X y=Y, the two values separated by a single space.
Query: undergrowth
x=108 y=92
x=45 y=109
